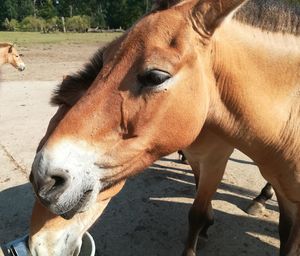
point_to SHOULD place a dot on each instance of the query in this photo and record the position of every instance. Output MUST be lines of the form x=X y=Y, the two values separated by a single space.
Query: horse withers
x=236 y=80
x=10 y=55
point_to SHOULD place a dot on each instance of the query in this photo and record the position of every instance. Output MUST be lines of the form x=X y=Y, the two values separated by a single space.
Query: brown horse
x=185 y=75
x=10 y=55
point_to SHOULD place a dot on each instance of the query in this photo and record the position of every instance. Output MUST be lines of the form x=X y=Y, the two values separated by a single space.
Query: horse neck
x=256 y=99
x=3 y=55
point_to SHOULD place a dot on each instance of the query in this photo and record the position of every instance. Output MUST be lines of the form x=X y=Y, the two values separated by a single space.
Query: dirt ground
x=50 y=62
x=149 y=216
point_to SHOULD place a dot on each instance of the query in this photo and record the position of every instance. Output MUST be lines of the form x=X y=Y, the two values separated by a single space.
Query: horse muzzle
x=66 y=182
x=21 y=67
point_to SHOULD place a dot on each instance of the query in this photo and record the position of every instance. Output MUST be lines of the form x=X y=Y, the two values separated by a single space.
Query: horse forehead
x=14 y=50
x=163 y=32
x=149 y=42
x=163 y=24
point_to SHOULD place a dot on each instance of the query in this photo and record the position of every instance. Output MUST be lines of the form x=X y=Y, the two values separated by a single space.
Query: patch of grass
x=28 y=38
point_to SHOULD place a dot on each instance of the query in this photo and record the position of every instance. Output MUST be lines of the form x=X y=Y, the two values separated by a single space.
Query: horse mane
x=75 y=85
x=5 y=44
x=271 y=15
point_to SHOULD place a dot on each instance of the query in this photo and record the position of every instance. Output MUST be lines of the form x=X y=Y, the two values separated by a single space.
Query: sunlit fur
x=10 y=55
x=231 y=83
x=271 y=15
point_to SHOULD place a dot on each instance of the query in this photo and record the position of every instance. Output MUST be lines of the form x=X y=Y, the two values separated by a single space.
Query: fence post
x=63 y=24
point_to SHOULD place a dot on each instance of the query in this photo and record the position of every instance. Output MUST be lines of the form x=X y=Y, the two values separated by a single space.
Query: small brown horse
x=10 y=55
x=237 y=83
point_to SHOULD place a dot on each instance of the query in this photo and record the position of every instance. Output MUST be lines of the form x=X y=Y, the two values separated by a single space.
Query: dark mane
x=271 y=15
x=5 y=44
x=74 y=86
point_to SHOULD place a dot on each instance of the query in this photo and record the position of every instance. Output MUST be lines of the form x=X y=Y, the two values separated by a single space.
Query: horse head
x=14 y=58
x=149 y=95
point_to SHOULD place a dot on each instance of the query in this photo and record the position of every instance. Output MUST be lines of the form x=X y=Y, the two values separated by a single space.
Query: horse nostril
x=59 y=181
x=53 y=187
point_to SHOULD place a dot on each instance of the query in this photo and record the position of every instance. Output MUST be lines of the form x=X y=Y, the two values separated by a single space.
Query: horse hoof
x=184 y=162
x=188 y=253
x=255 y=209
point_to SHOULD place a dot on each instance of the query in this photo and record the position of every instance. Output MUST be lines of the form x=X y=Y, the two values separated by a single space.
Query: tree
x=46 y=9
x=103 y=13
x=31 y=23
x=8 y=9
x=78 y=23
x=63 y=8
x=96 y=12
x=25 y=8
x=115 y=12
x=135 y=10
x=10 y=25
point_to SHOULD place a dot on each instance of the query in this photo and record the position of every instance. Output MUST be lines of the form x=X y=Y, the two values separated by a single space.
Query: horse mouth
x=82 y=202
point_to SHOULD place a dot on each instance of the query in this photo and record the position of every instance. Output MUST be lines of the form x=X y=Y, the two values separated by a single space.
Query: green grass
x=28 y=38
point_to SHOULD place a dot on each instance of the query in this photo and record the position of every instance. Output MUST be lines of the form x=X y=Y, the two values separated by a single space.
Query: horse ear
x=10 y=49
x=209 y=14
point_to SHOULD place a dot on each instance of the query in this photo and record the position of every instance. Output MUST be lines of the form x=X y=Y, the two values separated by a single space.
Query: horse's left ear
x=209 y=14
x=10 y=49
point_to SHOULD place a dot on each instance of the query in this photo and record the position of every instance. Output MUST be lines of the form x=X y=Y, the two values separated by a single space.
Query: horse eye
x=153 y=77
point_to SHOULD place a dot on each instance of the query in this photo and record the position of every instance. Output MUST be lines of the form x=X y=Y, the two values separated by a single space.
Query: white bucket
x=88 y=247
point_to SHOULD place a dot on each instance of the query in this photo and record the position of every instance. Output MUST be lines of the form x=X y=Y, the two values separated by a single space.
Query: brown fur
x=231 y=85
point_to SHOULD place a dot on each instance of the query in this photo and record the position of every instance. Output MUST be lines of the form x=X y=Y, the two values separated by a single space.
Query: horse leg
x=287 y=189
x=207 y=157
x=182 y=157
x=258 y=204
x=285 y=222
x=289 y=226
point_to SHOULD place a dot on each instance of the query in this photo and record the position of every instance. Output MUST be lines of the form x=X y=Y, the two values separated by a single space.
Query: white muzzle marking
x=78 y=161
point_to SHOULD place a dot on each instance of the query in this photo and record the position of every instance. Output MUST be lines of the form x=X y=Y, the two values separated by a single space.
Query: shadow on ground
x=149 y=217
x=16 y=204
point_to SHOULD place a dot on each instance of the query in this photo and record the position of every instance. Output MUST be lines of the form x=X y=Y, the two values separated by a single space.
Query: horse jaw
x=52 y=235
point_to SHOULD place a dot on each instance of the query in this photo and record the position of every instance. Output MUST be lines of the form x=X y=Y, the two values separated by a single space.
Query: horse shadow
x=16 y=205
x=149 y=217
